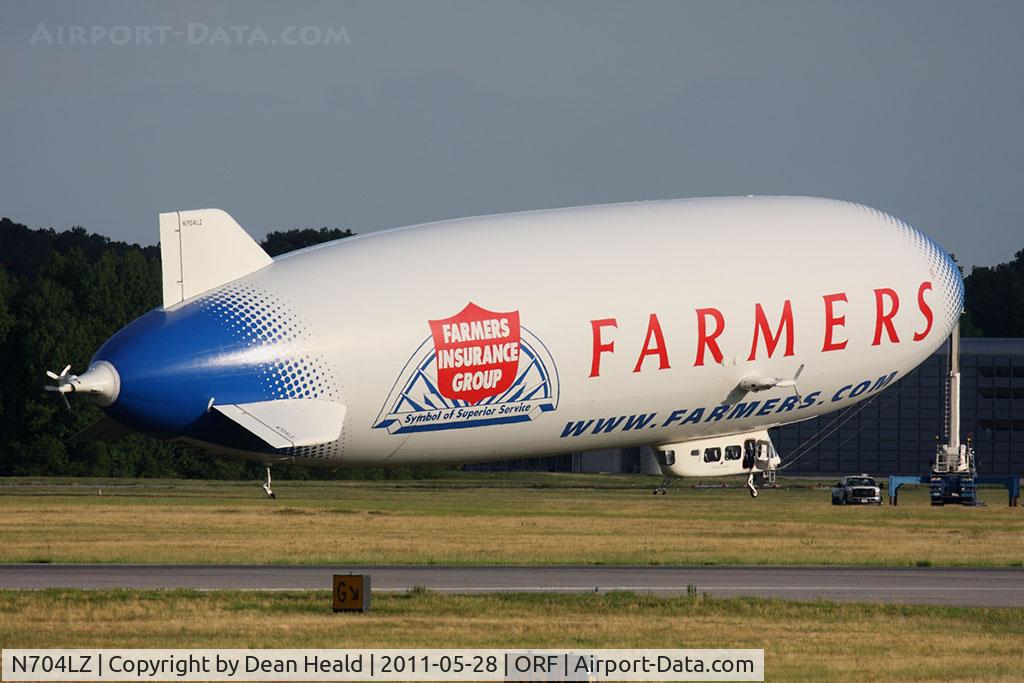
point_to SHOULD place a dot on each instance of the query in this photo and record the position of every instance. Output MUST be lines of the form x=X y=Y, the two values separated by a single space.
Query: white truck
x=857 y=489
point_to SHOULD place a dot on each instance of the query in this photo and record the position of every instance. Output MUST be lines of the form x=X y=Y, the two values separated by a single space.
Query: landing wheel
x=662 y=488
x=266 y=486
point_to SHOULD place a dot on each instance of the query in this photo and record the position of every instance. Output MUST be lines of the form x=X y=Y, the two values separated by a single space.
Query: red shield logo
x=477 y=353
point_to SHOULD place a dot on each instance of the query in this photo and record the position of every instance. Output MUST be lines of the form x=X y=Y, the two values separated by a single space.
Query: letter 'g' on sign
x=351 y=593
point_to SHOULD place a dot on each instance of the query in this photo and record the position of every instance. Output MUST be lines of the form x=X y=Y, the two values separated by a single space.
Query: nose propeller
x=63 y=385
x=100 y=380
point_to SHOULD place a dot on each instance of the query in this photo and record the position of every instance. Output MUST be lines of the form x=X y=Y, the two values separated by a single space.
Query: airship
x=690 y=326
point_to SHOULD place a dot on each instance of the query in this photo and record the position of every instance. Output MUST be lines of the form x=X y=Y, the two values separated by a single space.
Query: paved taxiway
x=926 y=585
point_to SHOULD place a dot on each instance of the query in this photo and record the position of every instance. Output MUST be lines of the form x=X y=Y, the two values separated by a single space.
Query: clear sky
x=417 y=111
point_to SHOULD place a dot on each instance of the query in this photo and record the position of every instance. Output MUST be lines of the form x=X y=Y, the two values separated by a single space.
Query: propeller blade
x=791 y=383
x=63 y=385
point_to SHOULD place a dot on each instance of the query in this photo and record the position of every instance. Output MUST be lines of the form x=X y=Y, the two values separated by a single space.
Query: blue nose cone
x=236 y=345
x=171 y=364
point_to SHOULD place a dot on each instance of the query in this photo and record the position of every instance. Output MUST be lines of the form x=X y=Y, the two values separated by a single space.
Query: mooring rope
x=829 y=429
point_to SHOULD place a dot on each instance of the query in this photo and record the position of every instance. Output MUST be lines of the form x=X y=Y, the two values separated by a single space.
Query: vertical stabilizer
x=202 y=249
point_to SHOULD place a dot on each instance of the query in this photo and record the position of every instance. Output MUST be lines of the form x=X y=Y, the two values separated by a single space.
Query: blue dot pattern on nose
x=288 y=367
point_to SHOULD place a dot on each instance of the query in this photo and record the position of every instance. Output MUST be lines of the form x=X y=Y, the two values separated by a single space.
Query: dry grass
x=480 y=519
x=803 y=641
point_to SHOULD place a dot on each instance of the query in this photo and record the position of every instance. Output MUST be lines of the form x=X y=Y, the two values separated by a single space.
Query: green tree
x=995 y=298
x=281 y=242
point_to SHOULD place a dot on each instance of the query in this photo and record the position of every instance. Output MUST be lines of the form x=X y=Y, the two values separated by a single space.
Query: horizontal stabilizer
x=287 y=423
x=203 y=249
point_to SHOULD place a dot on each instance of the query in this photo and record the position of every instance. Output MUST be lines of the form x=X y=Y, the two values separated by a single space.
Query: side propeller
x=792 y=382
x=748 y=384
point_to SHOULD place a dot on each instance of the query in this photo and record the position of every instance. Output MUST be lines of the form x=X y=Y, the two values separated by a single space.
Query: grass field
x=515 y=519
x=810 y=641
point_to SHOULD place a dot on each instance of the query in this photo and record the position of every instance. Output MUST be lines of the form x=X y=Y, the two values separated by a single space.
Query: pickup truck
x=856 y=490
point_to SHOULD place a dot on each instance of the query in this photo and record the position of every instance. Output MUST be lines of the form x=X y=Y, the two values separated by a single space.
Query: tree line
x=62 y=294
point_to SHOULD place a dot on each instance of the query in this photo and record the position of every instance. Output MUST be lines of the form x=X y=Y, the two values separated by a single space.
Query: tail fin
x=203 y=249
